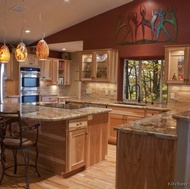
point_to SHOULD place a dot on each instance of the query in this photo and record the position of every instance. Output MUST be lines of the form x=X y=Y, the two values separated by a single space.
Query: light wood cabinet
x=122 y=115
x=77 y=143
x=99 y=65
x=64 y=72
x=177 y=64
x=97 y=138
x=54 y=71
x=49 y=98
x=45 y=70
x=118 y=119
x=12 y=100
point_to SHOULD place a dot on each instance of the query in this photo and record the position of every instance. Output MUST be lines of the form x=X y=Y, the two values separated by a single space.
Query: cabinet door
x=67 y=80
x=114 y=120
x=8 y=73
x=54 y=70
x=64 y=72
x=129 y=119
x=77 y=142
x=45 y=67
x=102 y=65
x=177 y=60
x=87 y=66
x=99 y=65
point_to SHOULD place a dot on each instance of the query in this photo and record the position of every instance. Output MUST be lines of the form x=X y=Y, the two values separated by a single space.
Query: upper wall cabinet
x=45 y=70
x=64 y=72
x=99 y=65
x=56 y=71
x=177 y=64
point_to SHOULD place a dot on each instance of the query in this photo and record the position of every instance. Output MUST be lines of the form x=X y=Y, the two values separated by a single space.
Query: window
x=144 y=80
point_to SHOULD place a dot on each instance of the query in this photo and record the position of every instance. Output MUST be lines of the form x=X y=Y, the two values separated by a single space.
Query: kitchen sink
x=132 y=103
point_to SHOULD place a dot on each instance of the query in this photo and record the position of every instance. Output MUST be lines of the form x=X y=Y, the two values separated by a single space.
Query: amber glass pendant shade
x=4 y=54
x=42 y=50
x=21 y=52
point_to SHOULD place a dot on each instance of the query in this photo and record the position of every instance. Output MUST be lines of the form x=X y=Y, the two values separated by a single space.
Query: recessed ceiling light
x=18 y=8
x=27 y=31
x=63 y=49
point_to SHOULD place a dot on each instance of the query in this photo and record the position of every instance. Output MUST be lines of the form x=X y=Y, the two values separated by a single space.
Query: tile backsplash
x=99 y=91
x=179 y=97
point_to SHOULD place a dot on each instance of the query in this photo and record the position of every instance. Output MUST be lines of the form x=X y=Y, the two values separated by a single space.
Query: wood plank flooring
x=101 y=176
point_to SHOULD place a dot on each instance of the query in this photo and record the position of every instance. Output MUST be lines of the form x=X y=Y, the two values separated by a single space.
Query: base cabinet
x=119 y=116
x=97 y=139
x=69 y=146
x=77 y=142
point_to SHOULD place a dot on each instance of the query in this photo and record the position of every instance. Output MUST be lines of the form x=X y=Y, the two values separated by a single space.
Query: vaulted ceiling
x=46 y=17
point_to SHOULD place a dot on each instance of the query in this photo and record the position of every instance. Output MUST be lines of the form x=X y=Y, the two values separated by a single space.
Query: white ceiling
x=48 y=17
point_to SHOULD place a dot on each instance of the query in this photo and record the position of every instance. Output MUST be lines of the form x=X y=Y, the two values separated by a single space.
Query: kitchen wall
x=179 y=97
x=99 y=32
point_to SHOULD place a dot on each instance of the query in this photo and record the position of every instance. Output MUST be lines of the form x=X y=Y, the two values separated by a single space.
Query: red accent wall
x=99 y=32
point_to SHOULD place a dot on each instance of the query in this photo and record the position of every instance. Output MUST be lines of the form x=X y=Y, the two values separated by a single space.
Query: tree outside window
x=149 y=75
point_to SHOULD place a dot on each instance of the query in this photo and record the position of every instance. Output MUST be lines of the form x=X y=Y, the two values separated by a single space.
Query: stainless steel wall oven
x=29 y=84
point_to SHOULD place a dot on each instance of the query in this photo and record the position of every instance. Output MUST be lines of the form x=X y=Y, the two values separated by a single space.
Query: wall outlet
x=172 y=95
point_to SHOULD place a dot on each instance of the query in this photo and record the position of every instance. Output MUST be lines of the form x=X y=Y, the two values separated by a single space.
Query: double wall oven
x=29 y=84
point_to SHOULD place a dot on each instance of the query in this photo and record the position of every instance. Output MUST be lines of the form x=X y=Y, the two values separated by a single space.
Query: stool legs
x=15 y=160
x=26 y=155
x=2 y=164
x=36 y=160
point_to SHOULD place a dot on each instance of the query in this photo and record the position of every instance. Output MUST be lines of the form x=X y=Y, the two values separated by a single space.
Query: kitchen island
x=146 y=153
x=70 y=139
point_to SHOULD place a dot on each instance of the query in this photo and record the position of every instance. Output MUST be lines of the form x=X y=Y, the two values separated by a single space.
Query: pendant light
x=21 y=50
x=4 y=50
x=42 y=49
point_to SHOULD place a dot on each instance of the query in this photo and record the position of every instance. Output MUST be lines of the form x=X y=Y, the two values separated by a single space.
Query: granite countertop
x=162 y=125
x=43 y=113
x=185 y=115
x=161 y=107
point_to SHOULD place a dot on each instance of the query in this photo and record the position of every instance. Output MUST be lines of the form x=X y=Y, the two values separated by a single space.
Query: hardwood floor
x=101 y=176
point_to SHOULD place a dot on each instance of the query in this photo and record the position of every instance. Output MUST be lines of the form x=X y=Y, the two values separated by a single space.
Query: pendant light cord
x=24 y=22
x=40 y=18
x=4 y=25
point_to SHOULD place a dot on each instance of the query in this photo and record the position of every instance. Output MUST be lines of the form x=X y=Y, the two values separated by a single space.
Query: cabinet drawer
x=49 y=99
x=12 y=100
x=78 y=123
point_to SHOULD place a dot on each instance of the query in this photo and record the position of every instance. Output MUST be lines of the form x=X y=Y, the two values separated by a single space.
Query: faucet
x=139 y=91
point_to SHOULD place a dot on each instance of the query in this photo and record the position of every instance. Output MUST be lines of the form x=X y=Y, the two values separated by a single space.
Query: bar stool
x=13 y=137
